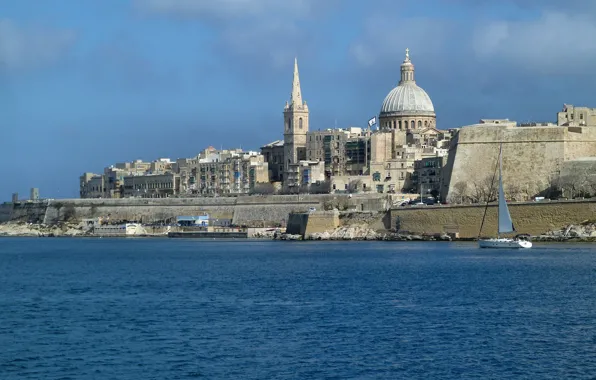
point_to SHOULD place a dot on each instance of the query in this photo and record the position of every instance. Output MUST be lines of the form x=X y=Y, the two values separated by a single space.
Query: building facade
x=344 y=151
x=304 y=176
x=273 y=154
x=572 y=116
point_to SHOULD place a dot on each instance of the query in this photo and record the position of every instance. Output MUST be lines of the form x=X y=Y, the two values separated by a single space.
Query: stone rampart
x=308 y=223
x=321 y=221
x=257 y=211
x=533 y=218
x=297 y=223
x=5 y=212
x=532 y=157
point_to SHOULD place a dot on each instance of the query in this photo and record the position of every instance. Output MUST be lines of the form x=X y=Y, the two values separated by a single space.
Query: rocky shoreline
x=17 y=229
x=584 y=232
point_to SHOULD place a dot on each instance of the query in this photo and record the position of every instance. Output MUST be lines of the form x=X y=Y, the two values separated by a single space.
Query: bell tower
x=295 y=125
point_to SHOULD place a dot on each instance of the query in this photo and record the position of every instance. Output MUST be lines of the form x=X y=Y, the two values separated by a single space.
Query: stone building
x=407 y=107
x=273 y=154
x=305 y=176
x=227 y=172
x=576 y=116
x=428 y=173
x=344 y=151
x=295 y=124
x=151 y=185
x=92 y=185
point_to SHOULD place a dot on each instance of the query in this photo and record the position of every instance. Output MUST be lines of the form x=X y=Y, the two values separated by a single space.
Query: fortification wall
x=533 y=218
x=267 y=214
x=321 y=221
x=306 y=224
x=256 y=211
x=5 y=212
x=297 y=223
x=532 y=156
x=30 y=212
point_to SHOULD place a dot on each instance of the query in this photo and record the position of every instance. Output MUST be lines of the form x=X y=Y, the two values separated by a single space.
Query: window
x=400 y=125
x=412 y=124
x=300 y=123
x=419 y=124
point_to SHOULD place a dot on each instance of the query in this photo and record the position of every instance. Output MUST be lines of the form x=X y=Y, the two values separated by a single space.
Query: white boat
x=505 y=222
x=504 y=243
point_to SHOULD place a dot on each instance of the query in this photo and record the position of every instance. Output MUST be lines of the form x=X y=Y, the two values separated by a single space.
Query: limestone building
x=576 y=116
x=295 y=124
x=273 y=154
x=344 y=151
x=305 y=176
x=407 y=107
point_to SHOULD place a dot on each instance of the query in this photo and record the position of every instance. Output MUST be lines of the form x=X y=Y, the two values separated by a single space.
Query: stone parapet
x=534 y=218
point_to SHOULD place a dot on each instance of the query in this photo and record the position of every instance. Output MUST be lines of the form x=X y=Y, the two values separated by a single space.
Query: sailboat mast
x=500 y=181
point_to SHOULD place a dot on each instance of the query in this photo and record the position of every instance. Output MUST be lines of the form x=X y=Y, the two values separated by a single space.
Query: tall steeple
x=407 y=70
x=296 y=99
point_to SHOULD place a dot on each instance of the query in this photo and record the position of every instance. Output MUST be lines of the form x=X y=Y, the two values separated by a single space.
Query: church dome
x=407 y=98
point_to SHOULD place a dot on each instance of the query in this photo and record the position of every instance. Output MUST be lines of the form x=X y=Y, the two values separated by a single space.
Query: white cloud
x=545 y=45
x=24 y=47
x=224 y=9
x=263 y=32
x=553 y=42
x=385 y=39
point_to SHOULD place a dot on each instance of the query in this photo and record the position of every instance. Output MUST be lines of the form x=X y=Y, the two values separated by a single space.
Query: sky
x=85 y=84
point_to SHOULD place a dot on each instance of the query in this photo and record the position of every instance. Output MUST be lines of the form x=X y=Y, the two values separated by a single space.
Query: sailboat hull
x=504 y=243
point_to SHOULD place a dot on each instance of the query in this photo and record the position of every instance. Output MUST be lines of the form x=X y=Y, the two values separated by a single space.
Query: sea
x=93 y=308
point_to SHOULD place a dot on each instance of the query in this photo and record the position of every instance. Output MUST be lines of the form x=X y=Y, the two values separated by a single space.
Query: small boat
x=505 y=222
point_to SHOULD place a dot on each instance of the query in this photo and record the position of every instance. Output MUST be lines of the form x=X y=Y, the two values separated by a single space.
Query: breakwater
x=534 y=218
x=253 y=211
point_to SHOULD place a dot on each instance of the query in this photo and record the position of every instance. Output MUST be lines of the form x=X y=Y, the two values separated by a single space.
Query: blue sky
x=84 y=84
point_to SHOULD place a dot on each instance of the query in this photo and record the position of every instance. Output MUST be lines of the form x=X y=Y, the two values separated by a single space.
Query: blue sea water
x=186 y=309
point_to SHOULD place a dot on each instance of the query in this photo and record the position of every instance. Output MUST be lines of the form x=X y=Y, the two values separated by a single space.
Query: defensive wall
x=254 y=211
x=533 y=218
x=306 y=224
x=532 y=156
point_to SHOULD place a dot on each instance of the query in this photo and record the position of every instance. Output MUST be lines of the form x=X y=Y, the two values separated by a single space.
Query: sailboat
x=505 y=222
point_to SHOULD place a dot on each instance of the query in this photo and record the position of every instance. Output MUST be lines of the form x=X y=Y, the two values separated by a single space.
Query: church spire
x=296 y=99
x=407 y=70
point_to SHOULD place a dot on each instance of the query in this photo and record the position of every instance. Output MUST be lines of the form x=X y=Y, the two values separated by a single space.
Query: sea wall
x=254 y=211
x=309 y=223
x=533 y=218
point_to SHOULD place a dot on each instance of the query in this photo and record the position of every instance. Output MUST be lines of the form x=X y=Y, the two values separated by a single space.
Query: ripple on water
x=164 y=309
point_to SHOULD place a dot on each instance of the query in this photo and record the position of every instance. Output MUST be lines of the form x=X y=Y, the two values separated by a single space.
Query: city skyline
x=167 y=78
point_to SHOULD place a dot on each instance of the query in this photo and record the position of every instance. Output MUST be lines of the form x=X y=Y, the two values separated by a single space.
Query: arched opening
x=394 y=124
x=425 y=123
x=413 y=125
x=419 y=124
x=400 y=125
x=300 y=123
